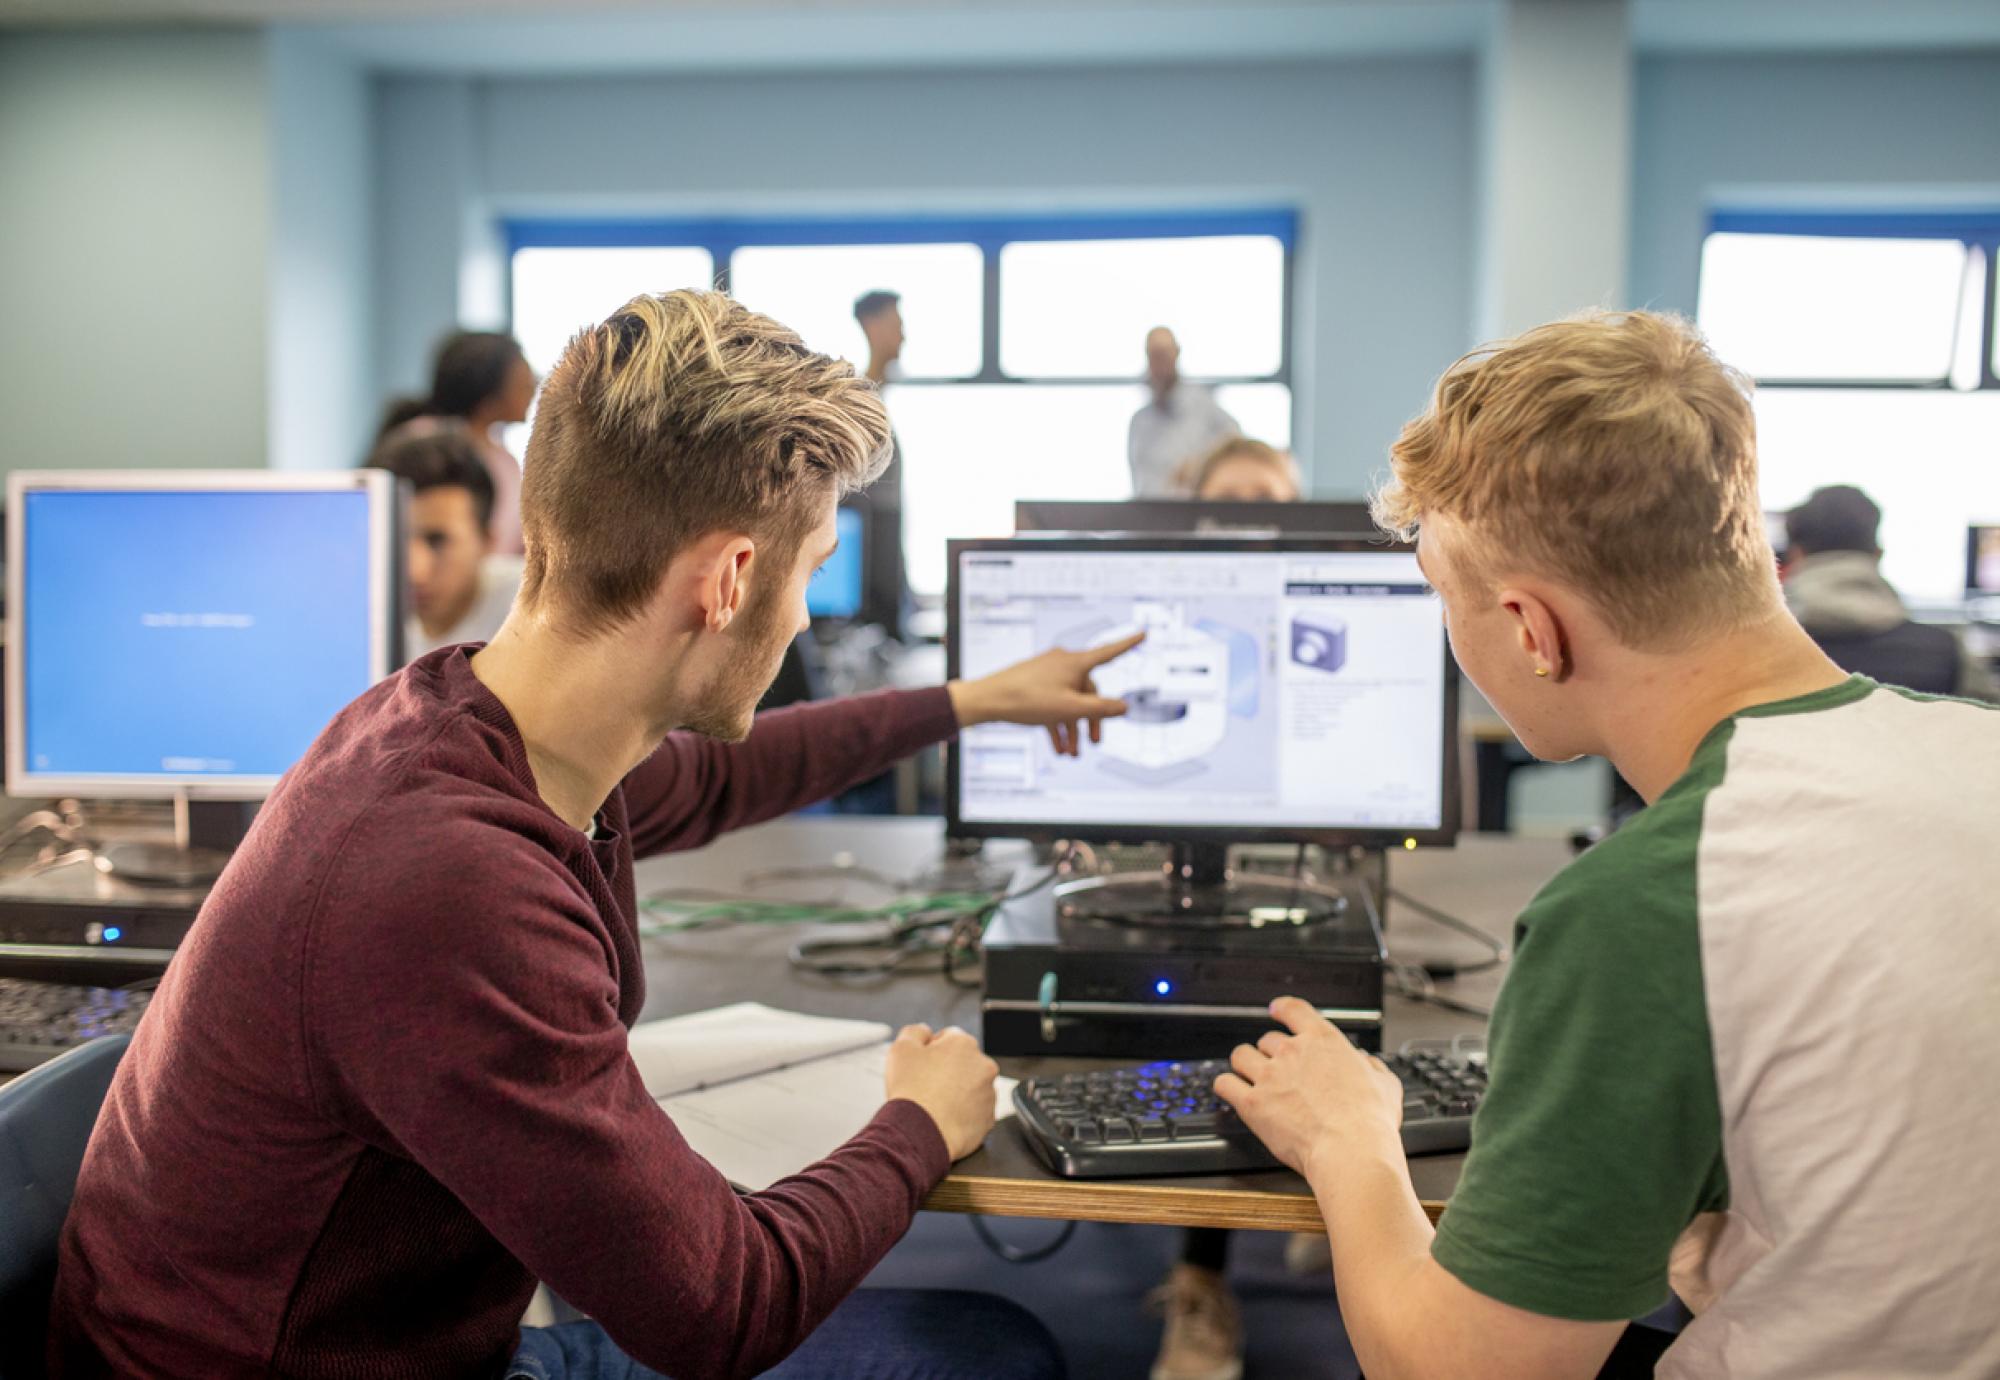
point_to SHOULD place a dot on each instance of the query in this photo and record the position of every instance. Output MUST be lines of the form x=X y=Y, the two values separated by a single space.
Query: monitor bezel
x=1445 y=834
x=1230 y=516
x=384 y=630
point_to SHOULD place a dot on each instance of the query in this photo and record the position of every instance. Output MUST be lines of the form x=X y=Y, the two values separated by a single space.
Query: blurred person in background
x=482 y=379
x=1241 y=470
x=885 y=581
x=460 y=589
x=1834 y=587
x=1179 y=423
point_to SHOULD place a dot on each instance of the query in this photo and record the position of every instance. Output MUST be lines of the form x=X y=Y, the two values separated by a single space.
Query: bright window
x=1866 y=336
x=813 y=288
x=1082 y=309
x=559 y=290
x=1930 y=459
x=1821 y=307
x=1031 y=401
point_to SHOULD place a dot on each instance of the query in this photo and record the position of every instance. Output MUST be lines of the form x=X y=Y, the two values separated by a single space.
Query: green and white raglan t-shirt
x=1774 y=996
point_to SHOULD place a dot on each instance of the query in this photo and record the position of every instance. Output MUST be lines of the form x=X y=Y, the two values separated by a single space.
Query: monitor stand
x=194 y=858
x=1196 y=889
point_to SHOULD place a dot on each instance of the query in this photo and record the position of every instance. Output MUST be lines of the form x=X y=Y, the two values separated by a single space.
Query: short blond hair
x=1612 y=451
x=680 y=415
x=1244 y=448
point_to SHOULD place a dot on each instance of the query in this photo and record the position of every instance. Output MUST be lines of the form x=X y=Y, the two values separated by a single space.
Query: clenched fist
x=948 y=1076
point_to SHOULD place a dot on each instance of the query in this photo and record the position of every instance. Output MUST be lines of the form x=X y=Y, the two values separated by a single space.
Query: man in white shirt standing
x=1181 y=424
x=460 y=589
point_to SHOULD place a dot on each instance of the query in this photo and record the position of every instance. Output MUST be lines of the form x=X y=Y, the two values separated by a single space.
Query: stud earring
x=1541 y=670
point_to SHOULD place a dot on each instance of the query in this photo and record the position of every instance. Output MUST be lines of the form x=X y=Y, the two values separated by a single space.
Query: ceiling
x=544 y=36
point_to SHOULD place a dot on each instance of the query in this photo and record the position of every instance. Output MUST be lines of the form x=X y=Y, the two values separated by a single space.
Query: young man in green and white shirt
x=1751 y=1042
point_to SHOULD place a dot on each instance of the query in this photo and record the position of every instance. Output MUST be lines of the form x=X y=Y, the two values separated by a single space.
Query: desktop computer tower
x=1063 y=984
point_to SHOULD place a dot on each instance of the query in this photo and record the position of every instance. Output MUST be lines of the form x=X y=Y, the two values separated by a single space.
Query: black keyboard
x=39 y=1020
x=1164 y=1118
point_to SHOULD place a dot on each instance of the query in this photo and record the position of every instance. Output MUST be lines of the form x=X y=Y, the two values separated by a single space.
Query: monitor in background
x=837 y=588
x=1293 y=689
x=1982 y=561
x=189 y=634
x=1205 y=517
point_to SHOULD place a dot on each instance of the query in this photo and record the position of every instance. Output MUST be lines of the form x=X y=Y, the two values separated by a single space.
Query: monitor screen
x=1982 y=561
x=190 y=631
x=836 y=587
x=1209 y=518
x=1288 y=689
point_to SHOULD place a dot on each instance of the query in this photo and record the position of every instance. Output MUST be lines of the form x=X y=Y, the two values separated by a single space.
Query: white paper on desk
x=762 y=1129
x=699 y=1050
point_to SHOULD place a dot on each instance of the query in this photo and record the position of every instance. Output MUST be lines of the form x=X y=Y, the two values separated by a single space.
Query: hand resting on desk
x=948 y=1076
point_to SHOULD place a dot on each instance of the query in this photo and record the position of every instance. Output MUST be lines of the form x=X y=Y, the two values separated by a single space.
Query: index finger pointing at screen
x=1111 y=651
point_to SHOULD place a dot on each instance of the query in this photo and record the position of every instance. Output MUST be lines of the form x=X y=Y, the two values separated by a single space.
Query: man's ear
x=1538 y=631
x=723 y=575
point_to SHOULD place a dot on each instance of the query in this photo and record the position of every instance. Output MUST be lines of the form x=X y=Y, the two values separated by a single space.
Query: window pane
x=1822 y=307
x=1926 y=457
x=1081 y=308
x=971 y=450
x=1262 y=410
x=812 y=289
x=557 y=291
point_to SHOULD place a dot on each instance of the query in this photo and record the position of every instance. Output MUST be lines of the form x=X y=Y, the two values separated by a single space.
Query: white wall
x=1820 y=130
x=321 y=264
x=1377 y=156
x=134 y=221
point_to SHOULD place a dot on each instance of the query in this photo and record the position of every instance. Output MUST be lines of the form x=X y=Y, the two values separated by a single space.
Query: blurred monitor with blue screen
x=835 y=590
x=190 y=633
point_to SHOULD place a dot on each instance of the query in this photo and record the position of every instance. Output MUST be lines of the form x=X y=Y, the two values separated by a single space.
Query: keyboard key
x=1195 y=1124
x=1152 y=1128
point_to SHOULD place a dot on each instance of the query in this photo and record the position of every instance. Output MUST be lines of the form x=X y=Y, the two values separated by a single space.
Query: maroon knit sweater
x=384 y=1086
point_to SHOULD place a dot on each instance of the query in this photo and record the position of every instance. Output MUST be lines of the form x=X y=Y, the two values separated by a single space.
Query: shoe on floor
x=1204 y=1336
x=1309 y=1253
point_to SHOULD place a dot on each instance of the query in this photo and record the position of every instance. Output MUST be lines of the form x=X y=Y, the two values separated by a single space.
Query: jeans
x=878 y=1334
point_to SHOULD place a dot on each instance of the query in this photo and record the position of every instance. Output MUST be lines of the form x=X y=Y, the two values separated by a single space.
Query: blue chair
x=45 y=1121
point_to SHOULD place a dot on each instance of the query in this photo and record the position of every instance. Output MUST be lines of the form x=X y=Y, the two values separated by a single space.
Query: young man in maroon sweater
x=385 y=1087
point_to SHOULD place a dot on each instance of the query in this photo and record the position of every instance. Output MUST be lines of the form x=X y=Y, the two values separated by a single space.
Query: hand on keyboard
x=1310 y=1089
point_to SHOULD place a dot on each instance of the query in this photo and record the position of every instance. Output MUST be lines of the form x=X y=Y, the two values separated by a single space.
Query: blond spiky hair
x=678 y=415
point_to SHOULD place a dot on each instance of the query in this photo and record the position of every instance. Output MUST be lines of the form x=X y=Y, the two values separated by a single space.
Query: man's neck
x=1671 y=703
x=878 y=368
x=574 y=708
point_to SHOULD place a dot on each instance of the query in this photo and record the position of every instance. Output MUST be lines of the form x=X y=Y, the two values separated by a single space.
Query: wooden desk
x=1484 y=880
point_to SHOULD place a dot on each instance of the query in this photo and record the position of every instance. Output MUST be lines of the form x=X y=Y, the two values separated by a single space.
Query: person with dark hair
x=880 y=314
x=1834 y=587
x=460 y=589
x=483 y=379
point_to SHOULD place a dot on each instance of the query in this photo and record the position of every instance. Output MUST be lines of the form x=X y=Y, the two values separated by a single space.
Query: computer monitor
x=189 y=634
x=1982 y=561
x=1291 y=689
x=1237 y=517
x=837 y=588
